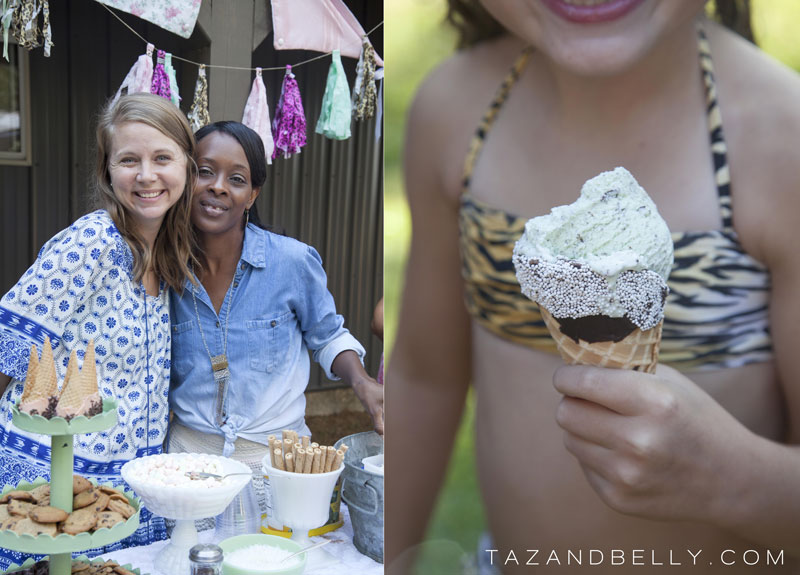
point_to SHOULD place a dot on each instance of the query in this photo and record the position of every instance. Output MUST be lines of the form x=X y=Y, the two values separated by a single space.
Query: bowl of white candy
x=166 y=489
x=161 y=481
x=261 y=554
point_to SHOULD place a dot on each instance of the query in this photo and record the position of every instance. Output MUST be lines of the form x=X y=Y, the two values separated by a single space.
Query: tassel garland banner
x=8 y=13
x=20 y=17
x=256 y=114
x=289 y=124
x=160 y=84
x=336 y=112
x=140 y=76
x=364 y=93
x=173 y=81
x=198 y=114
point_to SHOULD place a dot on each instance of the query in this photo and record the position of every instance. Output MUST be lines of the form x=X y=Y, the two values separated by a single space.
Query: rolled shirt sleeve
x=323 y=329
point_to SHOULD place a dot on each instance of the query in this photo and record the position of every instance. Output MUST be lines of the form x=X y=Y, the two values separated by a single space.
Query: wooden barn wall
x=330 y=196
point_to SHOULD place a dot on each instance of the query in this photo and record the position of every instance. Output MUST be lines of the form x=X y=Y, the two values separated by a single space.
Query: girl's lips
x=585 y=14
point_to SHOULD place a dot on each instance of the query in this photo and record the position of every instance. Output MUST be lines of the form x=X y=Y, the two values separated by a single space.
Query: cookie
x=20 y=507
x=47 y=514
x=80 y=521
x=4 y=514
x=101 y=503
x=123 y=509
x=108 y=489
x=10 y=521
x=80 y=484
x=41 y=494
x=30 y=527
x=20 y=495
x=120 y=570
x=79 y=566
x=85 y=498
x=108 y=519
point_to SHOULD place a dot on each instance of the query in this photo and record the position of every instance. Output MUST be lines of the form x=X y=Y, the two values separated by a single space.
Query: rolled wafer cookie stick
x=295 y=447
x=287 y=448
x=317 y=460
x=300 y=460
x=329 y=459
x=309 y=460
x=314 y=444
x=278 y=459
x=306 y=441
x=290 y=462
x=323 y=450
x=285 y=434
x=337 y=460
x=344 y=448
x=271 y=443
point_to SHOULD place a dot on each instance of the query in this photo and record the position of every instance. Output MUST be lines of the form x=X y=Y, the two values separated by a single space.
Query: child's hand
x=655 y=446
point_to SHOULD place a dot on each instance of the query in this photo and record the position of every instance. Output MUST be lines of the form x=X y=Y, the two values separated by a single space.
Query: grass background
x=416 y=40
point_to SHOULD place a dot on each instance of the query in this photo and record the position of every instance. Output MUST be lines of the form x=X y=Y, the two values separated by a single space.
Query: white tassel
x=256 y=114
x=140 y=76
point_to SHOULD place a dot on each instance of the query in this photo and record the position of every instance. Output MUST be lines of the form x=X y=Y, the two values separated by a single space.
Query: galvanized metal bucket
x=362 y=491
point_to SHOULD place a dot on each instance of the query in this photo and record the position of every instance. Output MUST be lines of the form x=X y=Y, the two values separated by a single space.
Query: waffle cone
x=46 y=380
x=89 y=370
x=30 y=378
x=72 y=368
x=638 y=351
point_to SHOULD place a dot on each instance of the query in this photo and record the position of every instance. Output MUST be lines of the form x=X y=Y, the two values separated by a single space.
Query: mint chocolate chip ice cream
x=607 y=255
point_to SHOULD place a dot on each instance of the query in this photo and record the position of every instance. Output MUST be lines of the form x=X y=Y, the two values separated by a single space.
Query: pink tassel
x=160 y=84
x=140 y=76
x=256 y=114
x=289 y=124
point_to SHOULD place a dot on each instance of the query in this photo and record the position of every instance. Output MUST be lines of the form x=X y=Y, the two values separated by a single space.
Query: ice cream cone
x=30 y=377
x=72 y=368
x=80 y=394
x=46 y=379
x=89 y=369
x=637 y=351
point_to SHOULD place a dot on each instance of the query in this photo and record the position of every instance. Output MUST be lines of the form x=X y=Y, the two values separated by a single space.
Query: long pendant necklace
x=219 y=363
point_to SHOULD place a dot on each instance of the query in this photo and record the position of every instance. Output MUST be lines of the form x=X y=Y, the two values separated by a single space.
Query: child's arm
x=429 y=368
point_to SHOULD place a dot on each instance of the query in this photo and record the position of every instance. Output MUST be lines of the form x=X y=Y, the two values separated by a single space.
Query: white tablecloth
x=341 y=547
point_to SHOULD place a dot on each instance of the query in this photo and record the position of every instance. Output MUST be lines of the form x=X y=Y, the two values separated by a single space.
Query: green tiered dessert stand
x=61 y=432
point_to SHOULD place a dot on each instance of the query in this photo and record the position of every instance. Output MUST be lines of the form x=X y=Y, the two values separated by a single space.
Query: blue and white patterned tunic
x=80 y=288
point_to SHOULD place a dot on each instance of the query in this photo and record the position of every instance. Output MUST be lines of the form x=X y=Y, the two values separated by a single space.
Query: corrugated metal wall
x=330 y=196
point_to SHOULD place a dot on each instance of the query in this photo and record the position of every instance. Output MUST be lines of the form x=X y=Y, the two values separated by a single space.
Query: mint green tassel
x=336 y=113
x=173 y=81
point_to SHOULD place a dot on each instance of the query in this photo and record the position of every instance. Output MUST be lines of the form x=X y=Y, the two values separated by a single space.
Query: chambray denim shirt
x=281 y=309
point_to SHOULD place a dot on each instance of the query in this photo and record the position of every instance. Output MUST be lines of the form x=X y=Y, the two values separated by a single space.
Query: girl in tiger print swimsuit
x=700 y=455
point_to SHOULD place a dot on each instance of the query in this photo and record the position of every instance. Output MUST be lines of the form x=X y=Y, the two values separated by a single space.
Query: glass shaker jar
x=205 y=559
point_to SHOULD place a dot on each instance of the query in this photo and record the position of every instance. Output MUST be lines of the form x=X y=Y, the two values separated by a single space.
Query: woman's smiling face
x=224 y=187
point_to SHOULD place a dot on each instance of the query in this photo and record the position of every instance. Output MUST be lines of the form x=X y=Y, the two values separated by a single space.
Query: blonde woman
x=106 y=278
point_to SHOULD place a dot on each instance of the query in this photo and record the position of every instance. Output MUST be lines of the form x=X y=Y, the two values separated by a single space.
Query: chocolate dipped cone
x=30 y=377
x=43 y=393
x=637 y=351
x=80 y=395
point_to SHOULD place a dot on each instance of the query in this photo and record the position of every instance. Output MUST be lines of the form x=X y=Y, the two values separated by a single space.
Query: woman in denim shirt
x=241 y=337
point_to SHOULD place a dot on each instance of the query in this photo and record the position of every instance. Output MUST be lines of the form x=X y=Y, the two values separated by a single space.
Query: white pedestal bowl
x=185 y=504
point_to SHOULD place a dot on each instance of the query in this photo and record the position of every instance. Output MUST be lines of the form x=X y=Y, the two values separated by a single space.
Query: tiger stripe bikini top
x=717 y=310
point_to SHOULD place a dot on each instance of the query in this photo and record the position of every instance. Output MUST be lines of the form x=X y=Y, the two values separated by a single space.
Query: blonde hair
x=173 y=248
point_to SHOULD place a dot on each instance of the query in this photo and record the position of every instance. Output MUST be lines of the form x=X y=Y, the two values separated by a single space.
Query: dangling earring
x=246 y=216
